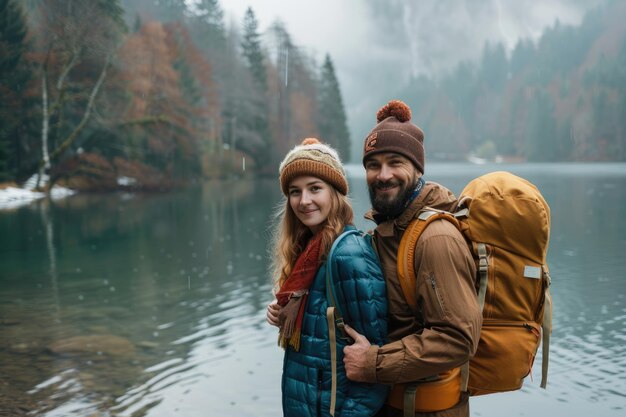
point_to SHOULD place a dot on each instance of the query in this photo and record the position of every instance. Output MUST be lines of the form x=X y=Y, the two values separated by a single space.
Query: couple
x=393 y=344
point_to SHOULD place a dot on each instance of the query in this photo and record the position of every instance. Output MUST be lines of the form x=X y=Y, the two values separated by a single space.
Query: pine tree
x=522 y=56
x=13 y=77
x=280 y=90
x=244 y=109
x=172 y=10
x=206 y=27
x=332 y=117
x=256 y=121
x=162 y=10
x=494 y=67
x=541 y=140
x=211 y=12
x=251 y=46
x=209 y=17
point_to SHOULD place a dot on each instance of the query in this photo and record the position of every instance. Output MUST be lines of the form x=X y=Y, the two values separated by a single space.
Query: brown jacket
x=443 y=333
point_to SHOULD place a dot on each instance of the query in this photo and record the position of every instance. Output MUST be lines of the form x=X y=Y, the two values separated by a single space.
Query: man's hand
x=272 y=313
x=354 y=355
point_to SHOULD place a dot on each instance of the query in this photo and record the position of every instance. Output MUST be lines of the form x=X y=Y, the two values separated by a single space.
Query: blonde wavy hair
x=291 y=236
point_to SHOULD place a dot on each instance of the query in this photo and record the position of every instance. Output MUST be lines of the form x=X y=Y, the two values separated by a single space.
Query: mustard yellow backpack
x=506 y=223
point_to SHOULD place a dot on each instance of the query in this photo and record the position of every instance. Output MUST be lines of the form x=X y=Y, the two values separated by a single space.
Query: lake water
x=170 y=291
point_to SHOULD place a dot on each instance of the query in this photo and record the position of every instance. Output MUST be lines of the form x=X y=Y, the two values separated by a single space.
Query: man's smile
x=386 y=187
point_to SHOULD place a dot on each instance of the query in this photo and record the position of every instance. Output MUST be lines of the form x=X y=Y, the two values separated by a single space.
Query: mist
x=379 y=46
x=140 y=145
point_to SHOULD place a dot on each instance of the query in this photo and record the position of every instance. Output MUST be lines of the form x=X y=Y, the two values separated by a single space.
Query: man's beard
x=391 y=207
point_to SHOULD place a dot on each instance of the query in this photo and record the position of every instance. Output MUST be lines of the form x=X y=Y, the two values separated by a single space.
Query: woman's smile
x=309 y=198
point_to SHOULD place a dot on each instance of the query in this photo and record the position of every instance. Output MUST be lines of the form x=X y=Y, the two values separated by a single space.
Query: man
x=442 y=333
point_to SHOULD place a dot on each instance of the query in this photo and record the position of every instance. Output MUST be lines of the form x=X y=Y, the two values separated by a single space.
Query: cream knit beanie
x=316 y=159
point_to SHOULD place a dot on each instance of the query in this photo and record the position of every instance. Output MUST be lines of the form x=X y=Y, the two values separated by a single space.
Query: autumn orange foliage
x=178 y=125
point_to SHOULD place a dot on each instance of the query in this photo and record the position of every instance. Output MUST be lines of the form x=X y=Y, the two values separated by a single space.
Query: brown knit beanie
x=395 y=133
x=315 y=159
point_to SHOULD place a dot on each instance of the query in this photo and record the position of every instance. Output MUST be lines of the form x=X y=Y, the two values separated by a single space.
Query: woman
x=316 y=212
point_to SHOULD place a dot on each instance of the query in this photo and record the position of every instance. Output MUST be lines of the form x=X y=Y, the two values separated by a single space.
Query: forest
x=561 y=98
x=155 y=94
x=145 y=94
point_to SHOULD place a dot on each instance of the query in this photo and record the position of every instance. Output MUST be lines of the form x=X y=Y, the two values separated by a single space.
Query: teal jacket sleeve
x=361 y=293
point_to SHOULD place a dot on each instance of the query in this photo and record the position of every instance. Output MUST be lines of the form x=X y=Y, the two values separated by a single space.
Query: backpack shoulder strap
x=330 y=280
x=406 y=261
x=334 y=317
x=406 y=251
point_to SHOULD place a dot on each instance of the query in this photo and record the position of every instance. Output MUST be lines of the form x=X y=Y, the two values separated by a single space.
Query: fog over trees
x=556 y=96
x=158 y=92
x=164 y=92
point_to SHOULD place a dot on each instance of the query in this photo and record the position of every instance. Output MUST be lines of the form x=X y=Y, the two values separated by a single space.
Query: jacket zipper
x=319 y=392
x=433 y=283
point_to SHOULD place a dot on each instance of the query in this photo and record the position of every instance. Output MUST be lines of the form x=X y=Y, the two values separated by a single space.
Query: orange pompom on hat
x=316 y=159
x=395 y=133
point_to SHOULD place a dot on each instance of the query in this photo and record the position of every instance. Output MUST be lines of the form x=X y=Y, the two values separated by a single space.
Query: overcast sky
x=378 y=45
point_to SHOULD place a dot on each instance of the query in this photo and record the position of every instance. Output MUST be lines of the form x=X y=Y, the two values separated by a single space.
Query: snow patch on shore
x=126 y=181
x=12 y=197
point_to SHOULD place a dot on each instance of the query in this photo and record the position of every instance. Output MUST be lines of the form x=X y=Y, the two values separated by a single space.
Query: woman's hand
x=273 y=309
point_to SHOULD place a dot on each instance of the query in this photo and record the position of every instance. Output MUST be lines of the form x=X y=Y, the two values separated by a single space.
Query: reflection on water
x=153 y=305
x=154 y=277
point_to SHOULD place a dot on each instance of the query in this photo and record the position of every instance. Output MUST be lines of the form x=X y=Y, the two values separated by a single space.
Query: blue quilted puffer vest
x=361 y=295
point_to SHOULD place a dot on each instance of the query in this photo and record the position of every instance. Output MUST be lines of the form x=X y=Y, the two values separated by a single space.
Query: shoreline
x=13 y=197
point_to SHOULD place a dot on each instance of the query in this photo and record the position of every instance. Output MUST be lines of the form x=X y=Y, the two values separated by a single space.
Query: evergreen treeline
x=154 y=93
x=562 y=98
